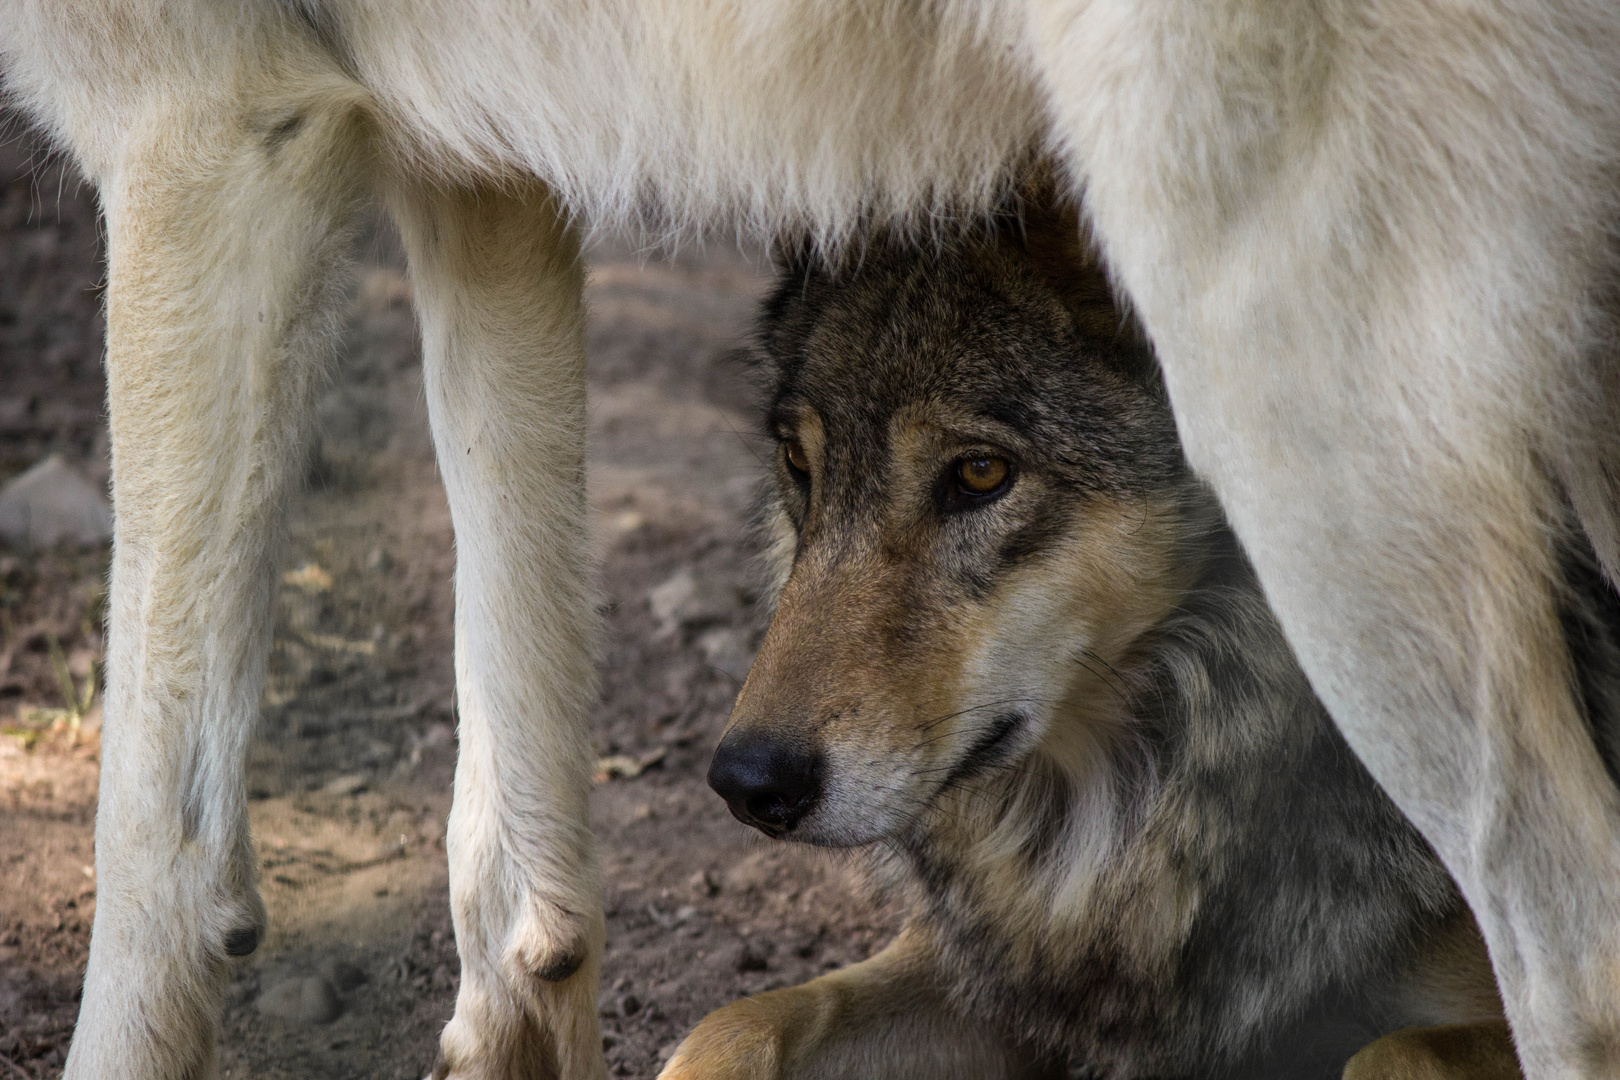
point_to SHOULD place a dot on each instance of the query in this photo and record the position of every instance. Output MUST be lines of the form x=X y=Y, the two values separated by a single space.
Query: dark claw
x=561 y=968
x=242 y=942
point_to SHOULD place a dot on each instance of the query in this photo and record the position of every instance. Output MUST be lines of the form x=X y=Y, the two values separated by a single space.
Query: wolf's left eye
x=797 y=459
x=982 y=475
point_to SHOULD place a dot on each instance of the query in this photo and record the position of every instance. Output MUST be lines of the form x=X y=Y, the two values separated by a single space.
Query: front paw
x=742 y=1041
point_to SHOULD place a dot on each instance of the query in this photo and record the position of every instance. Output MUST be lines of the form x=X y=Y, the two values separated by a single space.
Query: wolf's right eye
x=982 y=475
x=798 y=461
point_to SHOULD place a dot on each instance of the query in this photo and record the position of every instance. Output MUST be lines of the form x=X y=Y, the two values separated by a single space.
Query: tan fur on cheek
x=1057 y=630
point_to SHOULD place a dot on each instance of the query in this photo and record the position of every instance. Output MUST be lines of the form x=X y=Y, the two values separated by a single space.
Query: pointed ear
x=1060 y=250
x=1058 y=245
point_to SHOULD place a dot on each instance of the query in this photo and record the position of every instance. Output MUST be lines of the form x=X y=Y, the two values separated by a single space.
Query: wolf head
x=979 y=508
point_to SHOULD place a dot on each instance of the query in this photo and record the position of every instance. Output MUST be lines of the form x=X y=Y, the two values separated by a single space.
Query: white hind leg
x=1404 y=527
x=227 y=215
x=498 y=282
x=1419 y=588
x=1367 y=252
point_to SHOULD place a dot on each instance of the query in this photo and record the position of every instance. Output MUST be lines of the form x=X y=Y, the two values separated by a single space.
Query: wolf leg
x=1387 y=350
x=1482 y=1051
x=1417 y=577
x=228 y=211
x=886 y=1017
x=498 y=282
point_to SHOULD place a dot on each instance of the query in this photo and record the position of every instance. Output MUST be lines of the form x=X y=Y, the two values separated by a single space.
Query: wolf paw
x=738 y=1042
x=529 y=1009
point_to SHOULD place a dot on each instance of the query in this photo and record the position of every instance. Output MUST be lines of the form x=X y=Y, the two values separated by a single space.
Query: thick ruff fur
x=1371 y=241
x=1059 y=715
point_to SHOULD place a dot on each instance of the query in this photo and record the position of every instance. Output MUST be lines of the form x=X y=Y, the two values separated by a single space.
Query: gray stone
x=687 y=600
x=308 y=999
x=52 y=503
x=352 y=784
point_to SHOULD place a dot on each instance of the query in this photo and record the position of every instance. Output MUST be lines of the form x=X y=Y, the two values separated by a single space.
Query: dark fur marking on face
x=987 y=751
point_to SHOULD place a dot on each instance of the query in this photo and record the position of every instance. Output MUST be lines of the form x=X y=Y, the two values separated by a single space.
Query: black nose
x=768 y=783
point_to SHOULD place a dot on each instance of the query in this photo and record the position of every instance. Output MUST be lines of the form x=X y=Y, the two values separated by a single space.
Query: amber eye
x=982 y=475
x=797 y=459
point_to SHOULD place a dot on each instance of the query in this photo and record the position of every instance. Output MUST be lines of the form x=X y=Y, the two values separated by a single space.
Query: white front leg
x=498 y=284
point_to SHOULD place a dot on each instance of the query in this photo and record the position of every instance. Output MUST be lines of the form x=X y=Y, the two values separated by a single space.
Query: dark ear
x=1059 y=248
x=1061 y=252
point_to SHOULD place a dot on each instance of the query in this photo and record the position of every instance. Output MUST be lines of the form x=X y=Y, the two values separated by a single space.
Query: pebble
x=353 y=784
x=702 y=884
x=52 y=503
x=684 y=599
x=751 y=959
x=308 y=999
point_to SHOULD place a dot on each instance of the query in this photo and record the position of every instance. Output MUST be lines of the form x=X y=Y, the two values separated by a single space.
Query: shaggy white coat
x=1370 y=239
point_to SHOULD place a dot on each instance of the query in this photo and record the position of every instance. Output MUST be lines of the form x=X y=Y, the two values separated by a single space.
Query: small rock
x=306 y=1000
x=625 y=766
x=310 y=578
x=352 y=784
x=753 y=872
x=727 y=649
x=751 y=959
x=686 y=600
x=669 y=920
x=629 y=1005
x=51 y=504
x=702 y=884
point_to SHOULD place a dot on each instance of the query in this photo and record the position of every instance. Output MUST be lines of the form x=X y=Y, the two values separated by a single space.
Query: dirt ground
x=350 y=772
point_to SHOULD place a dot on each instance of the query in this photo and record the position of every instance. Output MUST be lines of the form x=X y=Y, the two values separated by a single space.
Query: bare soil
x=350 y=772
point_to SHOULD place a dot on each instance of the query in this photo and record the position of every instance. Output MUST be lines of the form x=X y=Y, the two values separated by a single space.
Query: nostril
x=778 y=809
x=767 y=783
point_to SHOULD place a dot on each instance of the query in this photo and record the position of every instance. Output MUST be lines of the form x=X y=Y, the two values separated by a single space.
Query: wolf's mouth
x=988 y=750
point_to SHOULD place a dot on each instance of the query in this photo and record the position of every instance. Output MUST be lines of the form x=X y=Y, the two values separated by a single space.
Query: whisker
x=734 y=680
x=986 y=705
x=744 y=439
x=1085 y=656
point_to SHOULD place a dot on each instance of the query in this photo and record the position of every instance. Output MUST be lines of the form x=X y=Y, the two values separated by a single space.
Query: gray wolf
x=1019 y=660
x=1370 y=241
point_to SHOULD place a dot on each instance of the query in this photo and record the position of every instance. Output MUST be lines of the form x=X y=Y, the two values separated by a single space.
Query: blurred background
x=350 y=771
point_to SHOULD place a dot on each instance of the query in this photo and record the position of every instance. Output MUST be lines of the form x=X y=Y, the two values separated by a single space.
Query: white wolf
x=1371 y=240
